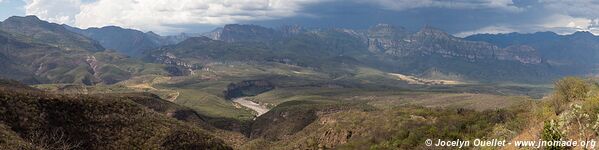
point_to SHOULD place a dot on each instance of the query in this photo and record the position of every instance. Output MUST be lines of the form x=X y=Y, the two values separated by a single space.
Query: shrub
x=551 y=132
x=567 y=90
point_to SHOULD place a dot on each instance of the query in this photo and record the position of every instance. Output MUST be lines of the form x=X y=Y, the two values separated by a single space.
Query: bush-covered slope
x=49 y=33
x=335 y=125
x=40 y=120
x=33 y=61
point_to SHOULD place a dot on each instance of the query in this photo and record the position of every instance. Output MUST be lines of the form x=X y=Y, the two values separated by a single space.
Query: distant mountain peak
x=25 y=18
x=430 y=29
x=27 y=21
x=583 y=34
x=387 y=31
x=112 y=27
x=49 y=33
x=247 y=32
x=152 y=33
x=290 y=30
x=543 y=33
x=384 y=25
x=232 y=26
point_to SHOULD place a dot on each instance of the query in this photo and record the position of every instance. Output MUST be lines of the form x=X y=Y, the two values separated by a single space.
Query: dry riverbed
x=252 y=105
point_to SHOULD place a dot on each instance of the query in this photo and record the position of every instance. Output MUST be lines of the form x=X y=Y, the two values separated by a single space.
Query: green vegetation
x=450 y=125
x=341 y=125
x=327 y=89
x=211 y=105
x=352 y=100
x=572 y=112
x=50 y=121
x=11 y=140
x=567 y=90
x=551 y=132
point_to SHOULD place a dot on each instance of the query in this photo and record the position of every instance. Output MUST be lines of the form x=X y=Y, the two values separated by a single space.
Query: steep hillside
x=430 y=41
x=49 y=33
x=576 y=53
x=35 y=63
x=48 y=53
x=325 y=51
x=48 y=121
x=126 y=41
x=334 y=125
x=431 y=49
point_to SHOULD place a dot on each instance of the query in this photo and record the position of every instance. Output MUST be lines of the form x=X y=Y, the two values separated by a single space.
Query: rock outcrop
x=397 y=42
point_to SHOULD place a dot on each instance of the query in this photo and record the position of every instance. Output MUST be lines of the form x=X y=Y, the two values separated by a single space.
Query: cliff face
x=392 y=41
x=579 y=51
x=522 y=53
x=384 y=37
x=291 y=30
x=385 y=47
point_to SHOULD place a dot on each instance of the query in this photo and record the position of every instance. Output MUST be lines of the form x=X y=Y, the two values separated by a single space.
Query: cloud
x=488 y=29
x=58 y=11
x=461 y=17
x=560 y=20
x=558 y=23
x=169 y=16
x=163 y=15
x=572 y=15
x=452 y=4
x=575 y=8
x=564 y=24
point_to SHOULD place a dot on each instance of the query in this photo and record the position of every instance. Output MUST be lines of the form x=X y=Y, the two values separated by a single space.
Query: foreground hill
x=33 y=119
x=340 y=125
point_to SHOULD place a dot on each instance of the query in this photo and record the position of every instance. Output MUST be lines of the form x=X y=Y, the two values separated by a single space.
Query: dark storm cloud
x=519 y=16
x=459 y=17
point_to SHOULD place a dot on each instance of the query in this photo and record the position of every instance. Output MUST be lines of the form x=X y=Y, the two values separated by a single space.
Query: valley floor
x=311 y=110
x=251 y=105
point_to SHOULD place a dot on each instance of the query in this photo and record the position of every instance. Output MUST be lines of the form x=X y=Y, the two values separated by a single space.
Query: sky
x=457 y=17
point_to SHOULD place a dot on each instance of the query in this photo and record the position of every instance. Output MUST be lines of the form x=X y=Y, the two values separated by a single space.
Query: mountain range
x=385 y=47
x=429 y=52
x=577 y=52
x=291 y=87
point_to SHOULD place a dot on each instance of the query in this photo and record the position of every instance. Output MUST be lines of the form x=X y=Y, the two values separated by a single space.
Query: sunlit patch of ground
x=421 y=81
